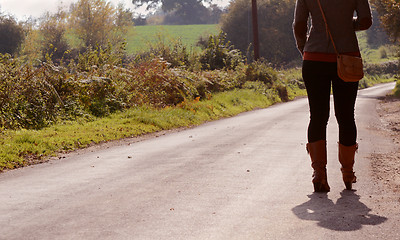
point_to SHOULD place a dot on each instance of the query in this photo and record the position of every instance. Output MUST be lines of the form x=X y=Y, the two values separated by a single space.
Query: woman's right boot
x=318 y=155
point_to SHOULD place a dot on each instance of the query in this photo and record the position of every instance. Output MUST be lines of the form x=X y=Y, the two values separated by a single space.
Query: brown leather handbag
x=349 y=68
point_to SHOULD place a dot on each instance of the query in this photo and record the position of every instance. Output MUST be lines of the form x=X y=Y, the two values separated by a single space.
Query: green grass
x=140 y=37
x=25 y=147
x=372 y=54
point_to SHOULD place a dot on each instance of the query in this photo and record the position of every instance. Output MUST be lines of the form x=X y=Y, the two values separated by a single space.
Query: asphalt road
x=246 y=177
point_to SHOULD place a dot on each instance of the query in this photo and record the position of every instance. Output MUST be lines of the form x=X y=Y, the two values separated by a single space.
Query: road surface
x=246 y=177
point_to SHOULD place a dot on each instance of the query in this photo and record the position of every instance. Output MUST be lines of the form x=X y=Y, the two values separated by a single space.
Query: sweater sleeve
x=301 y=15
x=363 y=20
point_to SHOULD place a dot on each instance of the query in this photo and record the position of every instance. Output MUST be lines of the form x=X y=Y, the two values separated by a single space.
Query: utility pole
x=255 y=30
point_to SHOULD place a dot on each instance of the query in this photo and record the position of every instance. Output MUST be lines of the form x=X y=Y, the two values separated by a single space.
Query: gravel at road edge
x=386 y=166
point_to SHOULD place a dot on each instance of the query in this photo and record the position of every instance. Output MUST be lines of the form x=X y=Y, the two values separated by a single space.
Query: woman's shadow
x=348 y=214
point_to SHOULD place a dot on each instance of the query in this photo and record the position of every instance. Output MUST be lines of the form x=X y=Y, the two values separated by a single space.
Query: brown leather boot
x=346 y=158
x=317 y=151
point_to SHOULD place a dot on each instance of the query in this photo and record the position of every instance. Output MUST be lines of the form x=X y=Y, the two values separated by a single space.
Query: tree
x=92 y=21
x=140 y=20
x=31 y=46
x=12 y=35
x=376 y=34
x=180 y=11
x=389 y=11
x=123 y=20
x=97 y=21
x=52 y=28
x=123 y=16
x=215 y=13
x=275 y=19
x=188 y=12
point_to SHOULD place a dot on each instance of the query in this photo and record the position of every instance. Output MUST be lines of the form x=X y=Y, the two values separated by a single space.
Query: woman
x=320 y=73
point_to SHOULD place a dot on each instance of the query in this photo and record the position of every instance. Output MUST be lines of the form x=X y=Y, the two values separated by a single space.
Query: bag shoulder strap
x=327 y=27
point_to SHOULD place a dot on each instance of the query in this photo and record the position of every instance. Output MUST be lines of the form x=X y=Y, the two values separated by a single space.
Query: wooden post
x=255 y=30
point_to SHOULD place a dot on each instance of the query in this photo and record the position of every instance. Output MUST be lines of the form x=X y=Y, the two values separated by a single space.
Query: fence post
x=255 y=30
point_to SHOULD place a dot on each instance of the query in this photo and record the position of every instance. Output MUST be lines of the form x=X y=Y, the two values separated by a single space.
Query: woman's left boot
x=346 y=158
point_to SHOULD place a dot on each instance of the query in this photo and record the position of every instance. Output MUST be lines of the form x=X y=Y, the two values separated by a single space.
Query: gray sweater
x=341 y=20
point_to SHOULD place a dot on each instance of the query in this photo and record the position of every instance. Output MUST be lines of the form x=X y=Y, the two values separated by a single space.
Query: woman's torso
x=339 y=15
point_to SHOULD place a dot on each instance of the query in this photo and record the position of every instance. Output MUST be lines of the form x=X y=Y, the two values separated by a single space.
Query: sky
x=22 y=9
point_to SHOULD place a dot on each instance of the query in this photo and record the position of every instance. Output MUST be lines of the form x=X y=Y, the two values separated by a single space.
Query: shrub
x=396 y=91
x=153 y=83
x=282 y=92
x=219 y=53
x=27 y=99
x=389 y=67
x=260 y=71
x=99 y=83
x=172 y=51
x=382 y=52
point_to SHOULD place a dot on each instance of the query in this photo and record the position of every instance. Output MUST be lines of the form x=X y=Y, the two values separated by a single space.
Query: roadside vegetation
x=105 y=95
x=66 y=84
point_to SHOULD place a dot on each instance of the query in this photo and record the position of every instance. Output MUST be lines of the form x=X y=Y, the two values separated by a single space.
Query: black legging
x=318 y=77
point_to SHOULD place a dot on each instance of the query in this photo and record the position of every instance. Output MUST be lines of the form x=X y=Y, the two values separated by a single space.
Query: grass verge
x=26 y=147
x=371 y=80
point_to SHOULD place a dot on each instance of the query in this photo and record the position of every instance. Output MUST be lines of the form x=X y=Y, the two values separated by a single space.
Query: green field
x=375 y=55
x=140 y=37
